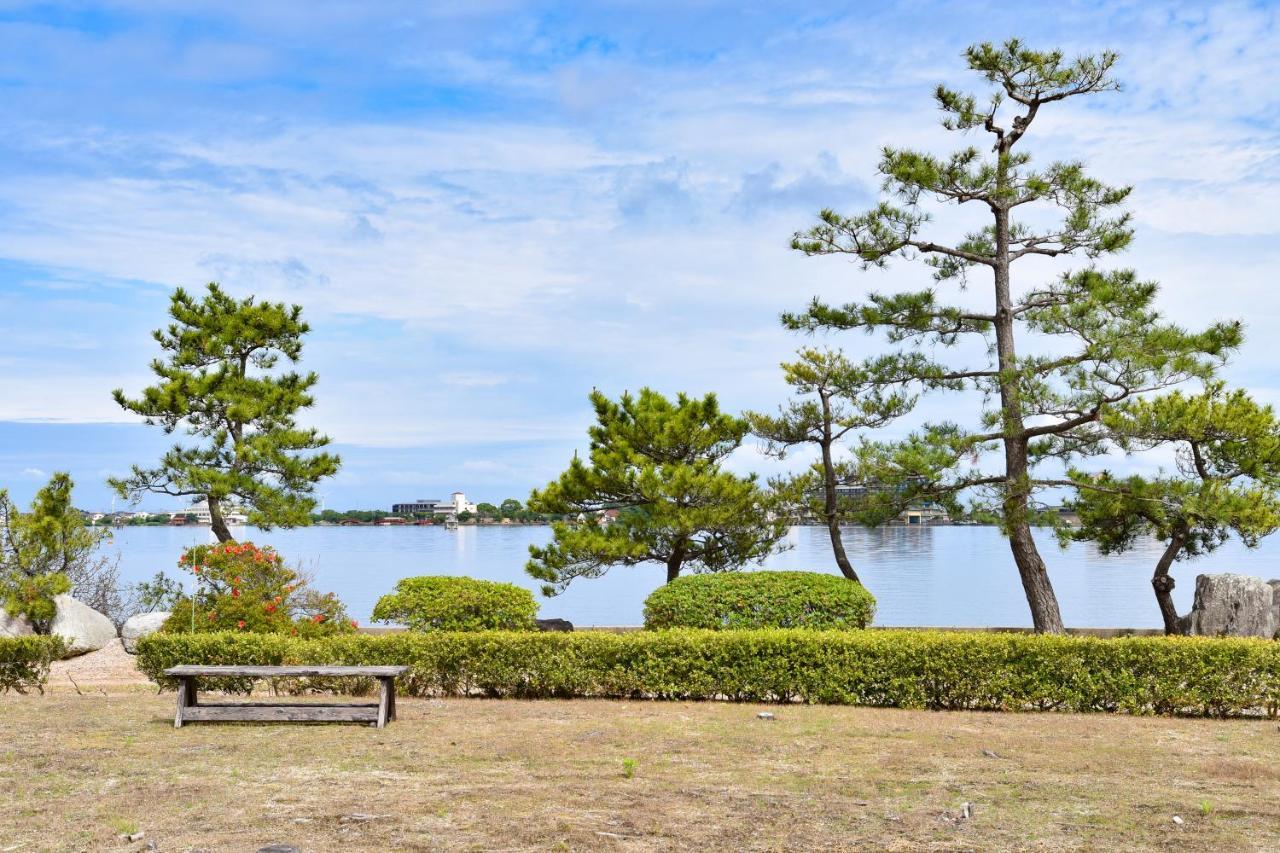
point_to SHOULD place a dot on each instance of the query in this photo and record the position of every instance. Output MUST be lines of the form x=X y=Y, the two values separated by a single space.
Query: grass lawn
x=76 y=772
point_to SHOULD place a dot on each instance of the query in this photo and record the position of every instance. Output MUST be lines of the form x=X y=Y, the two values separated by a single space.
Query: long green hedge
x=907 y=669
x=25 y=661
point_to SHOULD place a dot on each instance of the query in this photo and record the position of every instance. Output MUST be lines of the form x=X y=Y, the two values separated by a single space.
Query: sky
x=487 y=209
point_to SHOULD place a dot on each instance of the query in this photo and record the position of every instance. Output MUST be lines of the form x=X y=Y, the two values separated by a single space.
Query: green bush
x=436 y=603
x=24 y=661
x=760 y=600
x=903 y=669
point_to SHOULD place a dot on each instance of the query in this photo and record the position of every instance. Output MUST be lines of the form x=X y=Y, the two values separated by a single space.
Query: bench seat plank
x=222 y=670
x=282 y=713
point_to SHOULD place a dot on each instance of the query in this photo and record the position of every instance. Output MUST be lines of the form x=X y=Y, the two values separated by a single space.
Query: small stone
x=137 y=836
x=362 y=818
x=279 y=848
x=1177 y=820
x=966 y=811
x=765 y=715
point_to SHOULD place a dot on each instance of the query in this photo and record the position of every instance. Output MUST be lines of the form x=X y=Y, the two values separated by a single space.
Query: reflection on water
x=941 y=576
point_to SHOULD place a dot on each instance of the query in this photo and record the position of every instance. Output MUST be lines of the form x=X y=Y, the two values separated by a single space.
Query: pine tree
x=659 y=464
x=836 y=398
x=217 y=383
x=1227 y=471
x=1111 y=345
x=43 y=551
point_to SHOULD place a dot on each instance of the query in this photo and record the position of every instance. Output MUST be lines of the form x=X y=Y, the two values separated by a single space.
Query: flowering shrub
x=241 y=587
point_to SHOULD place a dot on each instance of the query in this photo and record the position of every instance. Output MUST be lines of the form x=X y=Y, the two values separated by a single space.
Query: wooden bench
x=375 y=713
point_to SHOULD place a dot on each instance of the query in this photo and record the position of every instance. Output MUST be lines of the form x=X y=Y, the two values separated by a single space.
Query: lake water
x=927 y=576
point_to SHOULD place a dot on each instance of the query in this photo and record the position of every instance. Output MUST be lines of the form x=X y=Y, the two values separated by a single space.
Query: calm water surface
x=928 y=576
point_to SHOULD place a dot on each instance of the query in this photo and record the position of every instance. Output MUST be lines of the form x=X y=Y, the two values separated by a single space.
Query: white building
x=456 y=504
x=231 y=514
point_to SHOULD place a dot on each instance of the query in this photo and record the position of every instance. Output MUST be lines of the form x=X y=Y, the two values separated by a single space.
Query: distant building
x=456 y=504
x=916 y=512
x=233 y=515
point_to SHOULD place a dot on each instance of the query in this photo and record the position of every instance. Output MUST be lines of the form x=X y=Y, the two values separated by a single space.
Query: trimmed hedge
x=906 y=669
x=25 y=661
x=762 y=599
x=443 y=603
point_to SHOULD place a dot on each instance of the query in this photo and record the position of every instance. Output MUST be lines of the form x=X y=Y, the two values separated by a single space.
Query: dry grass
x=78 y=771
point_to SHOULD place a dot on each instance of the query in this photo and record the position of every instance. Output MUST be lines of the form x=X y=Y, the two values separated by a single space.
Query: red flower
x=270 y=608
x=318 y=618
x=355 y=624
x=240 y=624
x=212 y=615
x=235 y=593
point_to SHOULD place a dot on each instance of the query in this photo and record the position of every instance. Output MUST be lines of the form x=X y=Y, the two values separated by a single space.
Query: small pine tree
x=659 y=464
x=1228 y=469
x=216 y=383
x=836 y=398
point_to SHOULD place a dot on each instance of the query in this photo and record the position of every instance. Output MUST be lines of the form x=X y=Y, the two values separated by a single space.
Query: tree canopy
x=1090 y=339
x=659 y=464
x=218 y=382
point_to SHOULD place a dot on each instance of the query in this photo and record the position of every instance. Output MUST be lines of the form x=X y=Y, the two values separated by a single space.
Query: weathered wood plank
x=283 y=713
x=210 y=671
x=182 y=703
x=384 y=701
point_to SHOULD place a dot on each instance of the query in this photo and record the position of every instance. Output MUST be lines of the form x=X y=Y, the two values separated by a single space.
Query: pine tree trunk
x=829 y=497
x=1045 y=615
x=217 y=523
x=1163 y=584
x=674 y=561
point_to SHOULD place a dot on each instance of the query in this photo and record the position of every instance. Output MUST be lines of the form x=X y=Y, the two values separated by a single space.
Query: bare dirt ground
x=80 y=770
x=109 y=667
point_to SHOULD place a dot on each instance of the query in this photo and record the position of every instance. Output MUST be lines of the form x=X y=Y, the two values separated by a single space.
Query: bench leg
x=186 y=699
x=385 y=698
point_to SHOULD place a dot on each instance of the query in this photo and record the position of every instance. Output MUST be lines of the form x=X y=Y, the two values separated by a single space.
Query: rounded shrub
x=760 y=599
x=436 y=603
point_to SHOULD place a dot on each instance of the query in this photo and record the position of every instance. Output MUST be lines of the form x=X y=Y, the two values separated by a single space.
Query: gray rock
x=1275 y=604
x=85 y=629
x=14 y=626
x=1230 y=605
x=140 y=626
x=554 y=625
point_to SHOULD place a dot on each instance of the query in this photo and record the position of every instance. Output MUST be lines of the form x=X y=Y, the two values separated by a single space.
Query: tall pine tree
x=1097 y=339
x=218 y=383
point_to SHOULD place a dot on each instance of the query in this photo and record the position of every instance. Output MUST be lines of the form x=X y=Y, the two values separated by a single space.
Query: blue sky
x=486 y=209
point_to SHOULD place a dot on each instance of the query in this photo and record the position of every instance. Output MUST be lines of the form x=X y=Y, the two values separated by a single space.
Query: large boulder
x=1233 y=606
x=140 y=626
x=14 y=626
x=85 y=629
